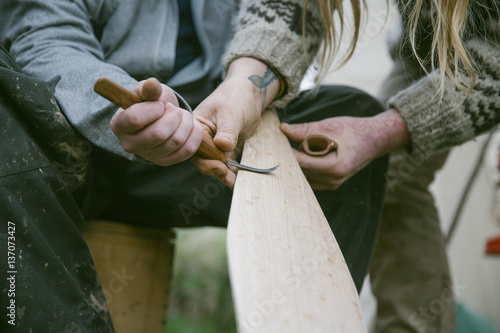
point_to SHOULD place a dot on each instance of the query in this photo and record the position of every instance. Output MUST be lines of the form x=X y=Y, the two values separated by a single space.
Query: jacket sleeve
x=437 y=123
x=271 y=31
x=54 y=40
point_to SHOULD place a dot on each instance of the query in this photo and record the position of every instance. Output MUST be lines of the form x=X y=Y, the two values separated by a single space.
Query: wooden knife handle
x=209 y=150
x=124 y=98
x=115 y=93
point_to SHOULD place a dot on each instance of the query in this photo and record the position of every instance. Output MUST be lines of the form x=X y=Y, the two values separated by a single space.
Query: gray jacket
x=70 y=44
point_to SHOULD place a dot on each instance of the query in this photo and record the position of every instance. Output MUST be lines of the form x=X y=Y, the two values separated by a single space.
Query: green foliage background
x=200 y=299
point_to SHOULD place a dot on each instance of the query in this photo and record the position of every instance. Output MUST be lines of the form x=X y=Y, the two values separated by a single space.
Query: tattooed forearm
x=262 y=82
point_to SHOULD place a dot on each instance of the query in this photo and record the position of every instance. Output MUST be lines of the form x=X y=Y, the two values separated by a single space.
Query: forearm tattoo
x=262 y=82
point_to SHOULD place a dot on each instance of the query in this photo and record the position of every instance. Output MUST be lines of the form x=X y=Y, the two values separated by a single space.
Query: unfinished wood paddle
x=287 y=271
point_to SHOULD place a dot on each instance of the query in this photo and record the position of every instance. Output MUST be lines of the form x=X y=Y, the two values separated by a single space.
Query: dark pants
x=48 y=281
x=56 y=288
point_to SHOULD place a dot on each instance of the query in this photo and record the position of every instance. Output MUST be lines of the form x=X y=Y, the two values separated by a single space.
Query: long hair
x=449 y=22
x=333 y=36
x=448 y=52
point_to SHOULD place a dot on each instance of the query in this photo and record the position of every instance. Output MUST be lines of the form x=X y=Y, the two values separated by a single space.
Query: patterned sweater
x=271 y=30
x=433 y=124
x=436 y=124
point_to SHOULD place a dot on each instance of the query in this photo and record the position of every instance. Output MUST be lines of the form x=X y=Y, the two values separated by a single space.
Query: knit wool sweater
x=435 y=124
x=271 y=30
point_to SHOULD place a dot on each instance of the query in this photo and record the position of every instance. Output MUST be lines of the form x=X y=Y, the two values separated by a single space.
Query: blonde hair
x=449 y=21
x=332 y=37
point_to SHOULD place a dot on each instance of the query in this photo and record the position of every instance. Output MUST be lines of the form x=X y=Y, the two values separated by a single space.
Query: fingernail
x=228 y=140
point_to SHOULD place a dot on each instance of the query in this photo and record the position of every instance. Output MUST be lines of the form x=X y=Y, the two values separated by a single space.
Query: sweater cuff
x=280 y=51
x=433 y=123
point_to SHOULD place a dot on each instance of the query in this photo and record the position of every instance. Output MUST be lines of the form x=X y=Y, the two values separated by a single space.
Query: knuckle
x=113 y=126
x=179 y=114
x=173 y=116
x=177 y=139
x=134 y=119
x=203 y=168
x=191 y=148
x=158 y=135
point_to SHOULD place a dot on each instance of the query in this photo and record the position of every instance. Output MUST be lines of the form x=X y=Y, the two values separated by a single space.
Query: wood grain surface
x=287 y=271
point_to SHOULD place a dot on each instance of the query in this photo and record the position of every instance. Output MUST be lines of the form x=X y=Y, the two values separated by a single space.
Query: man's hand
x=360 y=140
x=232 y=112
x=157 y=129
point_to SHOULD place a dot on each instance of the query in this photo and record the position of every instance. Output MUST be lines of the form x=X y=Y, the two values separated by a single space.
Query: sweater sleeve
x=271 y=31
x=54 y=40
x=436 y=123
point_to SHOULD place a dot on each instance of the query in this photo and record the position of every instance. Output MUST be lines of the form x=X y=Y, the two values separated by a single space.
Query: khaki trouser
x=409 y=271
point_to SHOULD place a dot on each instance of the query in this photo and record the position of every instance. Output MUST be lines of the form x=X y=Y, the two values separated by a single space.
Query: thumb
x=297 y=132
x=150 y=90
x=226 y=137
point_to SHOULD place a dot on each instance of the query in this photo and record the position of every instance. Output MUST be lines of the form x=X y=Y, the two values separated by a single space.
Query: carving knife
x=124 y=98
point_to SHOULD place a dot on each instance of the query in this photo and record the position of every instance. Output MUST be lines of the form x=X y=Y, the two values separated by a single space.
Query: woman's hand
x=232 y=112
x=359 y=140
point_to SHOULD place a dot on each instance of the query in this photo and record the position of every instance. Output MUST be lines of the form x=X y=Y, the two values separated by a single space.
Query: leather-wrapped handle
x=124 y=98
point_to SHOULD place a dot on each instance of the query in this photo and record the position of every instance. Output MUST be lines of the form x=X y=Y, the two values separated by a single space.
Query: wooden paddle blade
x=287 y=271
